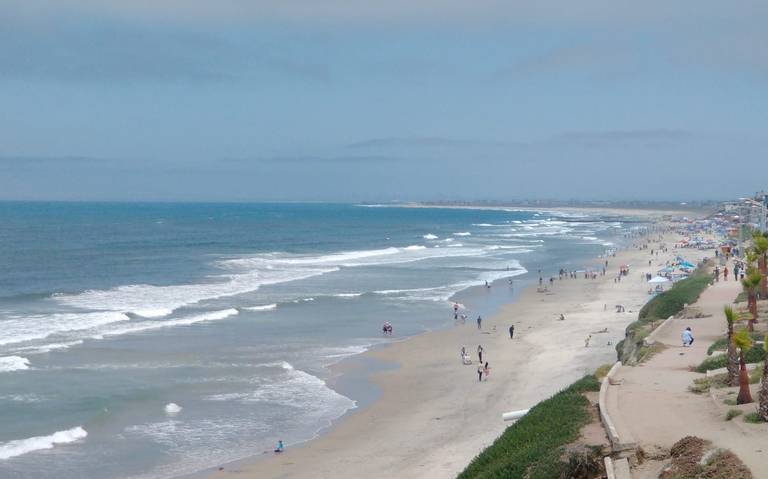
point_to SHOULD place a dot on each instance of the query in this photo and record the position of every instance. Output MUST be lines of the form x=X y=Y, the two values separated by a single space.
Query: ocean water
x=157 y=340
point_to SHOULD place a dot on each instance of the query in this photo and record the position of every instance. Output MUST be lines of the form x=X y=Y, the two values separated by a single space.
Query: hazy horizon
x=383 y=101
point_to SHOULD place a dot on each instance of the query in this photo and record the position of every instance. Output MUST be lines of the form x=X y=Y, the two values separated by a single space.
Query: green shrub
x=720 y=344
x=671 y=302
x=732 y=413
x=533 y=446
x=752 y=418
x=755 y=354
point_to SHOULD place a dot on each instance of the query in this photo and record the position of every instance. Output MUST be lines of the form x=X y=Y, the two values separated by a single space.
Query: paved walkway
x=654 y=408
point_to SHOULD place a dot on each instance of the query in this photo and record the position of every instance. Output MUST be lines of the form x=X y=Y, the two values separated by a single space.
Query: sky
x=342 y=100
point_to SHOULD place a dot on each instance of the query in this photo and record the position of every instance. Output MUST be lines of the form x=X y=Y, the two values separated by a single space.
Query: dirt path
x=654 y=407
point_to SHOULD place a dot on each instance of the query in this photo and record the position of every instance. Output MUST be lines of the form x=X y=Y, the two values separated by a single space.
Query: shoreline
x=430 y=419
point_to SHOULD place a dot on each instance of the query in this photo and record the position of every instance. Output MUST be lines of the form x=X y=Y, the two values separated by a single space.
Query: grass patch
x=729 y=402
x=741 y=297
x=752 y=418
x=756 y=375
x=732 y=413
x=602 y=371
x=533 y=447
x=755 y=355
x=699 y=386
x=672 y=301
x=720 y=344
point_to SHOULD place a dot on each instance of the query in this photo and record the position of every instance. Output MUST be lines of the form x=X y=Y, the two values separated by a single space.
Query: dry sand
x=433 y=416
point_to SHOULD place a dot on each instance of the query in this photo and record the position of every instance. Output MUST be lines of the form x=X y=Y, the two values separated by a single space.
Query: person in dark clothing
x=511 y=331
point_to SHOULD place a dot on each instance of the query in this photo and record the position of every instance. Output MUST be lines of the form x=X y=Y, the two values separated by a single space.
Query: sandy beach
x=433 y=416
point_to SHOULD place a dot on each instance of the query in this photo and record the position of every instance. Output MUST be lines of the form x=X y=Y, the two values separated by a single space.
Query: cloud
x=623 y=136
x=424 y=142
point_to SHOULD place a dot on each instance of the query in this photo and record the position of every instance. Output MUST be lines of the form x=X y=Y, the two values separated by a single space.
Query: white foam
x=172 y=409
x=348 y=295
x=414 y=248
x=463 y=233
x=140 y=326
x=13 y=363
x=429 y=237
x=264 y=307
x=23 y=446
x=19 y=329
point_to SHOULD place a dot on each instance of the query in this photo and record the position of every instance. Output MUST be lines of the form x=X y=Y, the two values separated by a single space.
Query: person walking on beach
x=480 y=353
x=725 y=273
x=511 y=331
x=479 y=373
x=479 y=322
x=586 y=341
x=486 y=370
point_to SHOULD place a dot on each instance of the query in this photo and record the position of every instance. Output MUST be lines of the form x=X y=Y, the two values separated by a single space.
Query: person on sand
x=725 y=273
x=480 y=353
x=687 y=337
x=562 y=317
x=586 y=341
x=486 y=370
x=480 y=373
x=280 y=446
x=463 y=352
x=511 y=331
x=479 y=322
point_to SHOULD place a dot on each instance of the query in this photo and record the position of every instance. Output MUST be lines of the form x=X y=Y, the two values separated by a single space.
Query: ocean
x=158 y=340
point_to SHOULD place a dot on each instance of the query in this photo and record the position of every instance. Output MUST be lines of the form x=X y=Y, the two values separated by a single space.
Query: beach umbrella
x=658 y=280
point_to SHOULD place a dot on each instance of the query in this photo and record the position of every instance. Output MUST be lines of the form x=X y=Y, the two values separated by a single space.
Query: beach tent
x=658 y=280
x=686 y=264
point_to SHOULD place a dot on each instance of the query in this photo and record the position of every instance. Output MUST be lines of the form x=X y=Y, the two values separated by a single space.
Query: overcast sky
x=382 y=99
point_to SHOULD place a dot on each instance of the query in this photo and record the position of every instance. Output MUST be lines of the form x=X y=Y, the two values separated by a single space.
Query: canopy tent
x=658 y=280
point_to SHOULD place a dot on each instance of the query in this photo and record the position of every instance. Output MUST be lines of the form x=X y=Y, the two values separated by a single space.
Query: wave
x=19 y=329
x=429 y=237
x=150 y=325
x=292 y=388
x=264 y=307
x=463 y=233
x=13 y=363
x=348 y=295
x=444 y=293
x=414 y=248
x=23 y=446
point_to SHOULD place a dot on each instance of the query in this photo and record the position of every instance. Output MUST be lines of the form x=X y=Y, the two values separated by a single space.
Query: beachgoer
x=479 y=322
x=480 y=353
x=511 y=331
x=463 y=352
x=486 y=370
x=725 y=273
x=687 y=337
x=480 y=373
x=586 y=341
x=562 y=317
x=280 y=446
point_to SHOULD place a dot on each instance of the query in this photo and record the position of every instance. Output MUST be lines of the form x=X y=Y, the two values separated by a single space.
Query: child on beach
x=280 y=446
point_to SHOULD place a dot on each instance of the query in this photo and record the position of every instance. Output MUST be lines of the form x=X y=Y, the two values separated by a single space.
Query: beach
x=433 y=415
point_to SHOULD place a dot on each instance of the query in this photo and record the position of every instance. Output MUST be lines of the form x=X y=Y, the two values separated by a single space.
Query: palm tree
x=750 y=283
x=760 y=248
x=762 y=409
x=733 y=358
x=743 y=342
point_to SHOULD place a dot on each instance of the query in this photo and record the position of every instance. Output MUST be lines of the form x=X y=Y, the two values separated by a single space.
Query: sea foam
x=23 y=446
x=13 y=363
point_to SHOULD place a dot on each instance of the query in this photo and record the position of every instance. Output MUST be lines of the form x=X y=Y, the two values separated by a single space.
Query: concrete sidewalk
x=654 y=407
